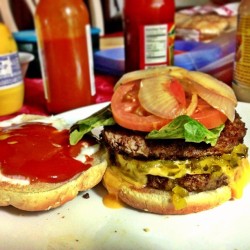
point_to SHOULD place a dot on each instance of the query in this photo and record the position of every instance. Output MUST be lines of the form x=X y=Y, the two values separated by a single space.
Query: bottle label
x=91 y=63
x=10 y=70
x=242 y=54
x=156 y=45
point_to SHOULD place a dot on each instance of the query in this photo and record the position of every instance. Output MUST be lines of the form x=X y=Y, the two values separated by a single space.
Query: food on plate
x=203 y=27
x=175 y=140
x=39 y=169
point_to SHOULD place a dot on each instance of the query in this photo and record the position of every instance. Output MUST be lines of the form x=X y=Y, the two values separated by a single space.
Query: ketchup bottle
x=65 y=52
x=149 y=33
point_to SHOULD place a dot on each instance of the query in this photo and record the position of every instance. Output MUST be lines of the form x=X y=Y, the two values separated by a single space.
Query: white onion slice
x=151 y=72
x=155 y=98
x=212 y=84
x=219 y=102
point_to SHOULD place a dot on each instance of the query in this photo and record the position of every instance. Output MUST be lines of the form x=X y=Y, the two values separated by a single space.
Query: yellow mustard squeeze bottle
x=241 y=76
x=11 y=80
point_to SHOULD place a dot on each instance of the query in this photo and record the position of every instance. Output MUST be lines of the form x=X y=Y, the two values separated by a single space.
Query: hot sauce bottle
x=149 y=33
x=65 y=52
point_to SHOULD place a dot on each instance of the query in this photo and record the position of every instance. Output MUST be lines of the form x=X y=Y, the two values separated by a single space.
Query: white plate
x=88 y=224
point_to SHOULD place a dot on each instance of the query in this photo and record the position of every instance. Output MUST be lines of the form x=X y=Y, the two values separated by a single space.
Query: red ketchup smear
x=40 y=152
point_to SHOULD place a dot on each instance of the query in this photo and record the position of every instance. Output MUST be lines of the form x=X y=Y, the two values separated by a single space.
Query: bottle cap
x=25 y=36
x=242 y=92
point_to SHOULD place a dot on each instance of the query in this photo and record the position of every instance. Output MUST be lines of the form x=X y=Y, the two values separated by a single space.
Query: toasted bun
x=38 y=196
x=160 y=202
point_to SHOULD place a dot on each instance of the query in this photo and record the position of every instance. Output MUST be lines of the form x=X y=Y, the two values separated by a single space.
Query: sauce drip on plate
x=112 y=201
x=39 y=152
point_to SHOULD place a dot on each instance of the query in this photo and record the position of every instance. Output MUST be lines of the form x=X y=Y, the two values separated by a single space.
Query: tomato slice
x=128 y=112
x=177 y=90
x=208 y=116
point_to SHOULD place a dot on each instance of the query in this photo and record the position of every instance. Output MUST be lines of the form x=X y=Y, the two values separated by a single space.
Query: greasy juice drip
x=39 y=152
x=112 y=201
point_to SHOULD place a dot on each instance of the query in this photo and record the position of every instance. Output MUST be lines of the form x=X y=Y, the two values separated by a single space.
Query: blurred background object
x=149 y=33
x=18 y=14
x=65 y=52
x=110 y=58
x=241 y=76
x=11 y=79
x=27 y=43
x=105 y=14
x=25 y=59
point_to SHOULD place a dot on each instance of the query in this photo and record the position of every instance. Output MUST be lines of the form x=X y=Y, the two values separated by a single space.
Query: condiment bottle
x=65 y=51
x=149 y=33
x=241 y=75
x=11 y=80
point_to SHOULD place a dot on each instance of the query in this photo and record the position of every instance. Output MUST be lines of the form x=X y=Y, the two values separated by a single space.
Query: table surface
x=34 y=100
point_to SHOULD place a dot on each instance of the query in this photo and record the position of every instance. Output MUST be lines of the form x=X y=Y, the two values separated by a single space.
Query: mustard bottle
x=11 y=80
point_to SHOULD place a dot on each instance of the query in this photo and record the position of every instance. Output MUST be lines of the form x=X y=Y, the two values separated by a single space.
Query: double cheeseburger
x=176 y=142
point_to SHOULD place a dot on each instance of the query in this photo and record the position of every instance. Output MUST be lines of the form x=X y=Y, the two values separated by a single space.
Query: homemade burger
x=176 y=142
x=39 y=169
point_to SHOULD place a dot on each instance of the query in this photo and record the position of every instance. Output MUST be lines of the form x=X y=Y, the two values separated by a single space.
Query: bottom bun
x=41 y=196
x=160 y=201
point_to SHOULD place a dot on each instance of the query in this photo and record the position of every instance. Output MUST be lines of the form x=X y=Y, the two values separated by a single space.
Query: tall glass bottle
x=149 y=33
x=241 y=75
x=64 y=40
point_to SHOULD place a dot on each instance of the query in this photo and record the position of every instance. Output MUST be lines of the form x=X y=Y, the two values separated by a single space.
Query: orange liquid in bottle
x=65 y=51
x=76 y=93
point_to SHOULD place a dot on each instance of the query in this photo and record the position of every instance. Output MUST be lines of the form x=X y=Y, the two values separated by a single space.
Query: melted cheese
x=136 y=171
x=241 y=179
x=114 y=179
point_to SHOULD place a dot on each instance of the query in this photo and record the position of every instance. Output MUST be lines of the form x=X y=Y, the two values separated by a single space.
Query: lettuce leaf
x=184 y=127
x=101 y=118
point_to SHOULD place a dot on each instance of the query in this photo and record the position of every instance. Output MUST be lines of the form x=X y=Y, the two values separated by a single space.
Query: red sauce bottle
x=64 y=40
x=149 y=33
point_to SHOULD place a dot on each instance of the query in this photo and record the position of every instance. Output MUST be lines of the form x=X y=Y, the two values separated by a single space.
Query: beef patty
x=133 y=143
x=192 y=183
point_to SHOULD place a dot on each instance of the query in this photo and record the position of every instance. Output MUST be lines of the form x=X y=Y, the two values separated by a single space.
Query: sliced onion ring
x=216 y=93
x=155 y=98
x=151 y=72
x=217 y=101
x=212 y=84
